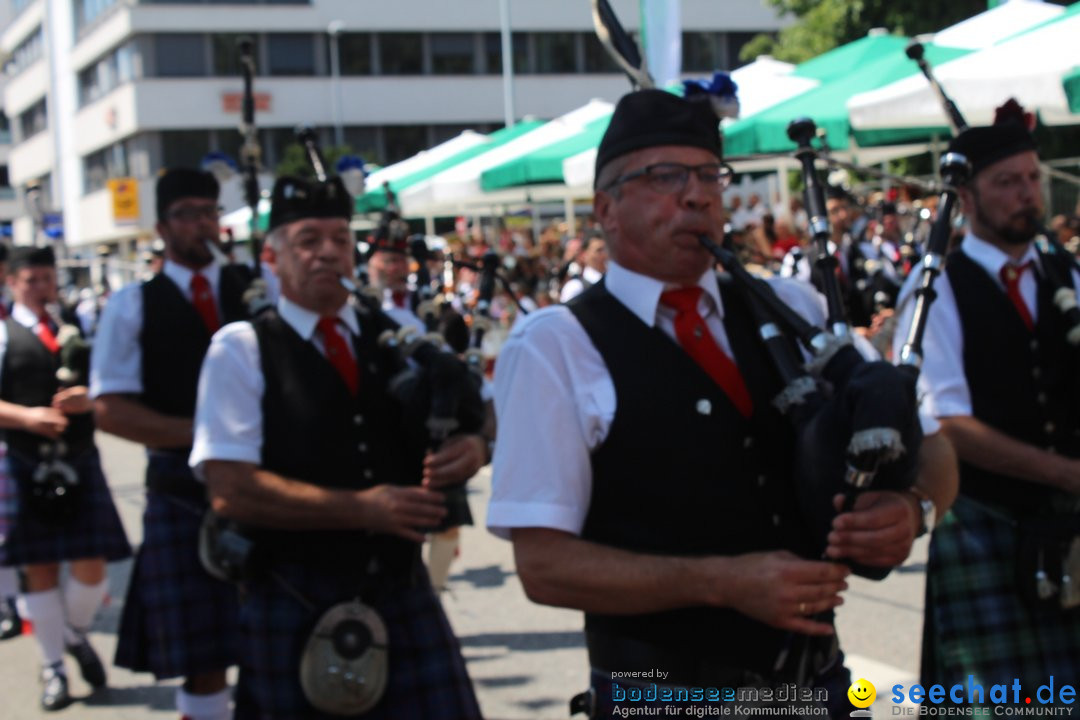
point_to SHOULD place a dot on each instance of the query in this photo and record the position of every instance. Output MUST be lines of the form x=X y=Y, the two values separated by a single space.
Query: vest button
x=362 y=447
x=1049 y=427
x=704 y=407
x=368 y=474
x=761 y=480
x=747 y=443
x=372 y=368
x=1034 y=346
x=1041 y=398
x=776 y=520
x=358 y=419
x=1036 y=372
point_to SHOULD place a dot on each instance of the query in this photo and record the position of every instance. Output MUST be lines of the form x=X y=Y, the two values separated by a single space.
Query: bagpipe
x=256 y=297
x=855 y=420
x=54 y=490
x=435 y=389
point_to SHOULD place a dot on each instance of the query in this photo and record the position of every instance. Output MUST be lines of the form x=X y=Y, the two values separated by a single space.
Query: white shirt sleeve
x=554 y=402
x=943 y=388
x=228 y=414
x=116 y=362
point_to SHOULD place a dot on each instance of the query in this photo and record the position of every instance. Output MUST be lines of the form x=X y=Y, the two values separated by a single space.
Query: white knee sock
x=9 y=582
x=46 y=611
x=204 y=707
x=81 y=603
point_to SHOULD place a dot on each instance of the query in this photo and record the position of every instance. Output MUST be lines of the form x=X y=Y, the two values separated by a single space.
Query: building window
x=402 y=141
x=33 y=120
x=453 y=54
x=180 y=55
x=226 y=50
x=363 y=140
x=401 y=53
x=27 y=52
x=107 y=163
x=183 y=148
x=597 y=59
x=519 y=43
x=291 y=54
x=5 y=129
x=108 y=73
x=87 y=11
x=354 y=50
x=735 y=42
x=556 y=53
x=6 y=191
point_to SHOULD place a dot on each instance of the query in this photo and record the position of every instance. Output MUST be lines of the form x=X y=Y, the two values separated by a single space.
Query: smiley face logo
x=862 y=693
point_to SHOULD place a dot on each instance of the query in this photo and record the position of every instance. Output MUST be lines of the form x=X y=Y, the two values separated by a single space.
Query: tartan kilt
x=9 y=494
x=177 y=620
x=95 y=532
x=427 y=676
x=977 y=623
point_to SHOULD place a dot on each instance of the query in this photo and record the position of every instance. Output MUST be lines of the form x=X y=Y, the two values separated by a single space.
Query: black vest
x=314 y=430
x=681 y=472
x=1024 y=384
x=29 y=378
x=174 y=339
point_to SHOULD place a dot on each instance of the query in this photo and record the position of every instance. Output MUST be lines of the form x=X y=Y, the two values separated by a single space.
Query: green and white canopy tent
x=458 y=189
x=1028 y=65
x=1071 y=84
x=375 y=199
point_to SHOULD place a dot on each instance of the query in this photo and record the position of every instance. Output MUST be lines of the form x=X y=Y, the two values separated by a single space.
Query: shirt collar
x=304 y=321
x=24 y=316
x=182 y=275
x=591 y=275
x=991 y=258
x=641 y=293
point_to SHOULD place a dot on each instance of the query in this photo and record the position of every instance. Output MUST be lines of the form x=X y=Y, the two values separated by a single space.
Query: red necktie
x=45 y=334
x=203 y=300
x=1010 y=275
x=337 y=352
x=695 y=338
x=399 y=298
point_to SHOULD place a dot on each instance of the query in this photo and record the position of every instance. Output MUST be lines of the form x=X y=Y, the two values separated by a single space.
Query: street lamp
x=333 y=30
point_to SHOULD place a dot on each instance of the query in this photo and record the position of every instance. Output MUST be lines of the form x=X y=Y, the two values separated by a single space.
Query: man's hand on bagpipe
x=785 y=591
x=457 y=459
x=877 y=532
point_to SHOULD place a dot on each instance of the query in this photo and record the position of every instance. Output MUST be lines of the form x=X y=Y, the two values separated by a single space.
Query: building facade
x=96 y=90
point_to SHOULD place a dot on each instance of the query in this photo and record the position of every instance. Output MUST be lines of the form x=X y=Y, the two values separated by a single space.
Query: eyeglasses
x=192 y=213
x=671 y=178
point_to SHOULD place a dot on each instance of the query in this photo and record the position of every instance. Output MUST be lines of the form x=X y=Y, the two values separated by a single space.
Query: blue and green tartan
x=977 y=621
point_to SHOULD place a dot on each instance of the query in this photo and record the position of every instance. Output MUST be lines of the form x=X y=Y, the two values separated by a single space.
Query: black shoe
x=10 y=622
x=54 y=694
x=93 y=672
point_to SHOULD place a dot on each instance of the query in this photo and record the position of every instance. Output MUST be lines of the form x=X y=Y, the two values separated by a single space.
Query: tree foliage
x=824 y=24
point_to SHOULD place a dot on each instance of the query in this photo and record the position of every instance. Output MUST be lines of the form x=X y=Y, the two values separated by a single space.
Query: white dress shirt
x=402 y=314
x=555 y=399
x=116 y=363
x=576 y=285
x=228 y=414
x=942 y=385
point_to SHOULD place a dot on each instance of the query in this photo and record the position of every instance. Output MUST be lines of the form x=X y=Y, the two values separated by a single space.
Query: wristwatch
x=929 y=511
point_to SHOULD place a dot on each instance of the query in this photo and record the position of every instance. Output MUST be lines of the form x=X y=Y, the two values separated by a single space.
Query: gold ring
x=802 y=608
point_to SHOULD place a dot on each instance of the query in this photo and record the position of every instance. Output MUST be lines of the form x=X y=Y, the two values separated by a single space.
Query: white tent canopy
x=460 y=185
x=1028 y=67
x=424 y=159
x=766 y=82
x=996 y=24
